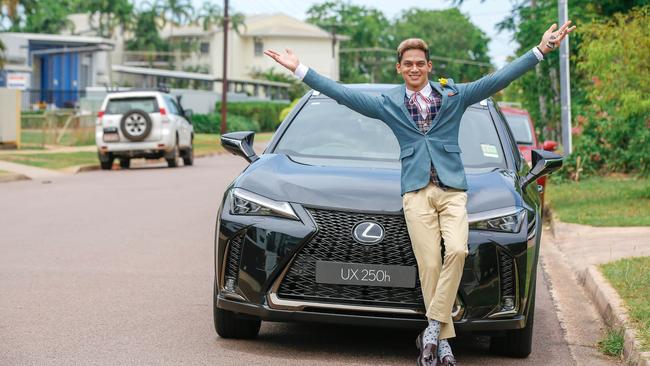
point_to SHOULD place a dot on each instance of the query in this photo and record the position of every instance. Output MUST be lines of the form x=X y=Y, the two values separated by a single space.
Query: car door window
x=173 y=107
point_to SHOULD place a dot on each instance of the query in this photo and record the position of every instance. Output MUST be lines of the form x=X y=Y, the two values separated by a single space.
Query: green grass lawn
x=53 y=160
x=601 y=201
x=631 y=279
x=34 y=138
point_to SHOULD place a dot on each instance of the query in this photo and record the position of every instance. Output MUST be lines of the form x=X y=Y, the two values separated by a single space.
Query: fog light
x=230 y=284
x=507 y=303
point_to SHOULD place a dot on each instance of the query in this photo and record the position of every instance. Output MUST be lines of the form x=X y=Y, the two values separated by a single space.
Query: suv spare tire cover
x=136 y=125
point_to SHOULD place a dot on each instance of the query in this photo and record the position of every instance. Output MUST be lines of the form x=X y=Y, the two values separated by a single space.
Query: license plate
x=111 y=137
x=365 y=274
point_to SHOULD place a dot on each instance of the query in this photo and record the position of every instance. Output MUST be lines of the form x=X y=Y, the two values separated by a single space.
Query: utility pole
x=224 y=77
x=565 y=85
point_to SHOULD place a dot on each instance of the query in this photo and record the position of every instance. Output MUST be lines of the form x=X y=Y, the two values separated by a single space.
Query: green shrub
x=266 y=114
x=211 y=123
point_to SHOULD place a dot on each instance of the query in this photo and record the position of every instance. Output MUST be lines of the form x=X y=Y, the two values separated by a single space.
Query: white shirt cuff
x=538 y=54
x=301 y=71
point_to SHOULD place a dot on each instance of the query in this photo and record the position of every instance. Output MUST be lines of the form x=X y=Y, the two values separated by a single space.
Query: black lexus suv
x=289 y=243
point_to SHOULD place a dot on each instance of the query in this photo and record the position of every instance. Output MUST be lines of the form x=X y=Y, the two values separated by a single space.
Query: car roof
x=133 y=94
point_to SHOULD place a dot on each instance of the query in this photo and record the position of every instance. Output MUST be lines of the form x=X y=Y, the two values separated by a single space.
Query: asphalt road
x=115 y=268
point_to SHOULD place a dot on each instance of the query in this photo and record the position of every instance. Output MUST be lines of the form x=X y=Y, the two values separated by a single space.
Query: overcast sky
x=485 y=15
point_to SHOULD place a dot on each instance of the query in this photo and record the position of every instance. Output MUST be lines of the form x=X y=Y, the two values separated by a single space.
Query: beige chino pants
x=431 y=214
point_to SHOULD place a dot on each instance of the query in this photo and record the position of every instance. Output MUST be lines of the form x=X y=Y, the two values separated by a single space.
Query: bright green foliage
x=109 y=15
x=450 y=34
x=264 y=113
x=367 y=28
x=48 y=16
x=615 y=120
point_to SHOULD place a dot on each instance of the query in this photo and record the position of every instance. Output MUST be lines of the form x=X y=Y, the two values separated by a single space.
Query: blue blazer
x=439 y=145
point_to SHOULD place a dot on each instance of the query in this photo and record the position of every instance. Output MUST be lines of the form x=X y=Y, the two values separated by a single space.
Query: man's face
x=415 y=69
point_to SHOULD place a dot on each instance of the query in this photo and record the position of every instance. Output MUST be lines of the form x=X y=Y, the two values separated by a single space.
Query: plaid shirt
x=433 y=100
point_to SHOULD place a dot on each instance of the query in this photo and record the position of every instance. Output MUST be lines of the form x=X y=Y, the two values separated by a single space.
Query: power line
x=433 y=57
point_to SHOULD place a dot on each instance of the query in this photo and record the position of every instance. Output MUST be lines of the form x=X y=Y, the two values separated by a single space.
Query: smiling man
x=425 y=117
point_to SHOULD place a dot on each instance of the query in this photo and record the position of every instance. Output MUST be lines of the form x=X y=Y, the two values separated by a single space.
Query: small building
x=54 y=69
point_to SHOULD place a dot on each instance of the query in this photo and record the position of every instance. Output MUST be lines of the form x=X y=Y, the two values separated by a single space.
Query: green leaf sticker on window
x=489 y=151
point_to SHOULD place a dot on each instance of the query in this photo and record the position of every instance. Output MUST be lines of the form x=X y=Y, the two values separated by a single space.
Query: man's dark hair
x=412 y=44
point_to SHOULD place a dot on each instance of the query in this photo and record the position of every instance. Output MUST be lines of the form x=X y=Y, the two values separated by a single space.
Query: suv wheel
x=188 y=155
x=106 y=161
x=136 y=125
x=125 y=163
x=231 y=325
x=516 y=343
x=172 y=156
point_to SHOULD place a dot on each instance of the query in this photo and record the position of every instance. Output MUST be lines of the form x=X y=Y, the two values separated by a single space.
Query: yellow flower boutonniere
x=443 y=82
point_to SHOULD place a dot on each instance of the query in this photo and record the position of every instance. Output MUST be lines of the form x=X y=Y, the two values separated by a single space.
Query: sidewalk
x=581 y=249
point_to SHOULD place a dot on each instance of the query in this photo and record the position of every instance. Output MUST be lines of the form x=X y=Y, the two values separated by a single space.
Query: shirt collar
x=426 y=90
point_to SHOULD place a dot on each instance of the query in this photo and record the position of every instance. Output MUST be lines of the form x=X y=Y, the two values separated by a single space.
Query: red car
x=523 y=129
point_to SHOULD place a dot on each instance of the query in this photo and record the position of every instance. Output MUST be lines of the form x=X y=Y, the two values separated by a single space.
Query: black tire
x=125 y=163
x=136 y=125
x=230 y=325
x=188 y=156
x=516 y=343
x=172 y=157
x=106 y=161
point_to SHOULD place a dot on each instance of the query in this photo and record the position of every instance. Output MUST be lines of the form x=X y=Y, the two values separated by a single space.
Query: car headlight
x=507 y=220
x=243 y=202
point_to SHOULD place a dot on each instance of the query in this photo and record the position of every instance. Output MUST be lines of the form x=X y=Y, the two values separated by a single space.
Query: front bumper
x=263 y=312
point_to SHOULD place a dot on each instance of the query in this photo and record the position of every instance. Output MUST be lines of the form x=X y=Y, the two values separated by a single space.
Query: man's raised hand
x=552 y=37
x=287 y=59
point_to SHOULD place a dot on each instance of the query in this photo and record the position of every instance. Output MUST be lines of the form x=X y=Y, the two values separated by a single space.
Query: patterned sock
x=432 y=332
x=444 y=349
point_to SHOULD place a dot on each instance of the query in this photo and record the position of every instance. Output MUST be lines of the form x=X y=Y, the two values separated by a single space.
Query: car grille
x=334 y=242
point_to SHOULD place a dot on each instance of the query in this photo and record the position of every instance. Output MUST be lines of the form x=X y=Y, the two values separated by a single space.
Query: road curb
x=13 y=178
x=610 y=307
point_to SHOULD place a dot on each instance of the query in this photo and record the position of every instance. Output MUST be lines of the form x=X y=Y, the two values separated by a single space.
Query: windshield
x=520 y=127
x=121 y=106
x=327 y=133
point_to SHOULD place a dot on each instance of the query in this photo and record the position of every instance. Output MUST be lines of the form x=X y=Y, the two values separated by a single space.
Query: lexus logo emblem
x=368 y=233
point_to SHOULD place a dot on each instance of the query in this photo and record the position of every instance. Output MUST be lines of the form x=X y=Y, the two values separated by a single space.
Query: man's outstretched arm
x=363 y=103
x=490 y=84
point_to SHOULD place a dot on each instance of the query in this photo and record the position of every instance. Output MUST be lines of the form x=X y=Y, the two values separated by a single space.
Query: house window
x=259 y=47
x=205 y=48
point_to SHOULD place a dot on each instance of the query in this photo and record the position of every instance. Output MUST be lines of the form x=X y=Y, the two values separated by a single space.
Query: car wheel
x=230 y=325
x=516 y=343
x=136 y=125
x=125 y=163
x=106 y=161
x=172 y=157
x=188 y=156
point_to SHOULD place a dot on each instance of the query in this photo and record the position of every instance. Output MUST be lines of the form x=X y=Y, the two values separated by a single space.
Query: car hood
x=279 y=177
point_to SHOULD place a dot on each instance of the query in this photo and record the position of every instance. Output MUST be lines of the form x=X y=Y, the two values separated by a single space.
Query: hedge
x=266 y=114
x=211 y=123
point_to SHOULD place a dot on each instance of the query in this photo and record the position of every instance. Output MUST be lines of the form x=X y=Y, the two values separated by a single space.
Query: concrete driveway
x=116 y=268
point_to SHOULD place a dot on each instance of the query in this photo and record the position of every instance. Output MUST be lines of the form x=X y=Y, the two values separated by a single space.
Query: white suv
x=143 y=124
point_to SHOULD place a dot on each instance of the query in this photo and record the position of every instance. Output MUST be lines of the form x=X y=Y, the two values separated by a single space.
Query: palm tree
x=212 y=14
x=176 y=12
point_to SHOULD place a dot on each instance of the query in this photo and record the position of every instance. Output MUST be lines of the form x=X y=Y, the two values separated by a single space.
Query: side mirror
x=543 y=162
x=549 y=145
x=240 y=143
x=188 y=113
